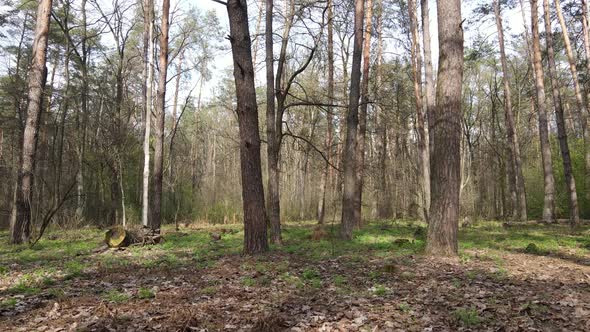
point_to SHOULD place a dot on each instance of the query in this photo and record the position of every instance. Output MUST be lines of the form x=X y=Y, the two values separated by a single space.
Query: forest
x=294 y=165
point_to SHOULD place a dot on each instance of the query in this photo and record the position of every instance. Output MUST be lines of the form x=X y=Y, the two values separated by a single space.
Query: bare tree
x=351 y=215
x=446 y=154
x=559 y=118
x=423 y=155
x=20 y=228
x=518 y=193
x=327 y=172
x=160 y=117
x=548 y=180
x=255 y=240
x=148 y=72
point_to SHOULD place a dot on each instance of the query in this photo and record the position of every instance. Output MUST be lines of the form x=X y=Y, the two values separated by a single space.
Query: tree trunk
x=148 y=48
x=361 y=145
x=383 y=196
x=327 y=172
x=423 y=155
x=255 y=240
x=20 y=229
x=585 y=129
x=549 y=182
x=519 y=194
x=570 y=181
x=156 y=206
x=274 y=205
x=428 y=71
x=350 y=213
x=446 y=155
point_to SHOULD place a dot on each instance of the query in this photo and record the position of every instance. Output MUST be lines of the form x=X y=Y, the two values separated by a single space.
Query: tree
x=430 y=93
x=351 y=215
x=446 y=154
x=255 y=240
x=273 y=204
x=160 y=117
x=20 y=229
x=327 y=173
x=423 y=154
x=548 y=180
x=559 y=118
x=148 y=73
x=518 y=193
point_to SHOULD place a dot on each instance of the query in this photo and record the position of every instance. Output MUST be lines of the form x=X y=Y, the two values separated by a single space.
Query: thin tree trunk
x=559 y=118
x=549 y=182
x=519 y=193
x=383 y=196
x=274 y=206
x=156 y=206
x=350 y=213
x=585 y=129
x=20 y=229
x=327 y=172
x=446 y=154
x=362 y=134
x=255 y=219
x=423 y=155
x=148 y=48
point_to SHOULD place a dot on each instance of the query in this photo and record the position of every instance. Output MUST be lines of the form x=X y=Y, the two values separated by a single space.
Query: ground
x=533 y=278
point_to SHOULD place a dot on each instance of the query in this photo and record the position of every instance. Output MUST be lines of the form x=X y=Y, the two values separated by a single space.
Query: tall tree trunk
x=519 y=194
x=20 y=228
x=274 y=205
x=446 y=154
x=383 y=196
x=255 y=219
x=350 y=213
x=327 y=171
x=570 y=181
x=156 y=221
x=428 y=72
x=148 y=71
x=423 y=155
x=362 y=134
x=584 y=117
x=549 y=182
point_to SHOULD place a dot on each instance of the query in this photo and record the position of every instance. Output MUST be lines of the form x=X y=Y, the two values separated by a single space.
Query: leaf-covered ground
x=526 y=278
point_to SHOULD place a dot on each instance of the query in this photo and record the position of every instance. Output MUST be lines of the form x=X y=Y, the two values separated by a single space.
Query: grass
x=66 y=255
x=115 y=296
x=467 y=316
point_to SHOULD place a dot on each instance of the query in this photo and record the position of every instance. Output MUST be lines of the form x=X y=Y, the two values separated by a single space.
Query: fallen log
x=118 y=237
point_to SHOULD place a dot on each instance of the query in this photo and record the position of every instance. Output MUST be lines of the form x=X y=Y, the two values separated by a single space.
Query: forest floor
x=533 y=278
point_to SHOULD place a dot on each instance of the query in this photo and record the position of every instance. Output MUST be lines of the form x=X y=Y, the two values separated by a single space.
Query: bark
x=559 y=118
x=585 y=129
x=350 y=213
x=423 y=155
x=548 y=180
x=430 y=99
x=446 y=154
x=518 y=195
x=362 y=134
x=156 y=205
x=148 y=71
x=327 y=172
x=255 y=240
x=384 y=209
x=274 y=207
x=20 y=228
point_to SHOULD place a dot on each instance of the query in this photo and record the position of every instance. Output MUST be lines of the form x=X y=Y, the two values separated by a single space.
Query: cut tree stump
x=118 y=237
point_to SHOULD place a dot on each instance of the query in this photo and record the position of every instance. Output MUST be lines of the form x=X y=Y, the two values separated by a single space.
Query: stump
x=118 y=237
